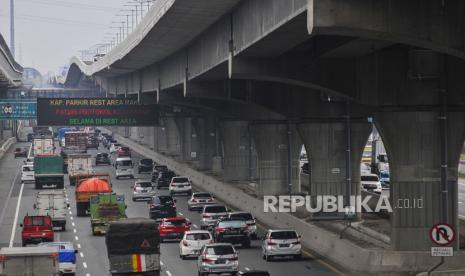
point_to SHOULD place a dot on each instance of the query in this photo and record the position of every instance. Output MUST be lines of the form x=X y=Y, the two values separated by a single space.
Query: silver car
x=143 y=190
x=218 y=258
x=281 y=243
x=211 y=214
x=249 y=219
x=198 y=200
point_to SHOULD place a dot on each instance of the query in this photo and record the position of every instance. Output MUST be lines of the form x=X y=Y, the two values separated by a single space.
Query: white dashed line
x=168 y=273
x=87 y=274
x=247 y=268
x=81 y=254
x=71 y=217
x=74 y=230
x=84 y=264
x=195 y=225
x=70 y=212
x=72 y=223
x=79 y=245
x=181 y=214
x=161 y=263
x=76 y=238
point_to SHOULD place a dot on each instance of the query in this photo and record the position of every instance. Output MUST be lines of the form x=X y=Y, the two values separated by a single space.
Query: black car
x=254 y=273
x=30 y=137
x=162 y=207
x=232 y=231
x=102 y=158
x=164 y=179
x=145 y=165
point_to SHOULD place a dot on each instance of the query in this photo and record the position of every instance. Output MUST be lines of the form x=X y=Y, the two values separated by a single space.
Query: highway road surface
x=92 y=259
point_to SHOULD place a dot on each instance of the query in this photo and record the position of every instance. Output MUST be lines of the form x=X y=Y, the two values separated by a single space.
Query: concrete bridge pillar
x=274 y=142
x=188 y=139
x=173 y=138
x=326 y=144
x=239 y=156
x=415 y=143
x=207 y=139
x=160 y=138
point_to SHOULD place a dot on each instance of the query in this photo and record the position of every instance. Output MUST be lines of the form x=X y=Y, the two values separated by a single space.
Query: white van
x=27 y=174
x=124 y=167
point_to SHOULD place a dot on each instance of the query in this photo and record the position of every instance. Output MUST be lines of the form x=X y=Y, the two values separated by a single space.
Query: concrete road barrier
x=6 y=145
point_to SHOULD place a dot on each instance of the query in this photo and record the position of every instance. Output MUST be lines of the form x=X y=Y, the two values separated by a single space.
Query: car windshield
x=198 y=236
x=220 y=250
x=166 y=200
x=144 y=184
x=167 y=174
x=215 y=209
x=384 y=175
x=117 y=145
x=369 y=178
x=160 y=168
x=175 y=222
x=245 y=216
x=146 y=161
x=180 y=180
x=28 y=169
x=202 y=195
x=232 y=223
x=283 y=235
x=124 y=149
x=124 y=163
x=102 y=155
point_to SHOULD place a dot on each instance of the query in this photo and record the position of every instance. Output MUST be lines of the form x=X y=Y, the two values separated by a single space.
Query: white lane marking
x=70 y=212
x=74 y=230
x=247 y=268
x=76 y=238
x=84 y=264
x=79 y=245
x=57 y=237
x=72 y=223
x=8 y=197
x=195 y=225
x=71 y=217
x=13 y=230
x=180 y=214
x=460 y=202
x=168 y=273
x=87 y=274
x=161 y=263
x=81 y=254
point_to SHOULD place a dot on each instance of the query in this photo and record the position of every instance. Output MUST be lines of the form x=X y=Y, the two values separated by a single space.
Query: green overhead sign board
x=13 y=109
x=95 y=112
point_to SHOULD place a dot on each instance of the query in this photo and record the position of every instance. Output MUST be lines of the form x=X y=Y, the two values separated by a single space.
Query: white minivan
x=27 y=174
x=124 y=167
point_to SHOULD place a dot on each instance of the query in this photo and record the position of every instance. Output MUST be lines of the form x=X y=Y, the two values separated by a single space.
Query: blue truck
x=66 y=256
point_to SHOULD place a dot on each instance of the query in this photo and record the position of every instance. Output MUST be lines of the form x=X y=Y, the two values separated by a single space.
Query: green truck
x=105 y=208
x=48 y=171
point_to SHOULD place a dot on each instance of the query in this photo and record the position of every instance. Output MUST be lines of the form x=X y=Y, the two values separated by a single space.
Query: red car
x=36 y=229
x=173 y=228
x=123 y=152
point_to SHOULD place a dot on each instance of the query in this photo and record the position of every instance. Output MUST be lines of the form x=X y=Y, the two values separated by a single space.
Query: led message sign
x=95 y=112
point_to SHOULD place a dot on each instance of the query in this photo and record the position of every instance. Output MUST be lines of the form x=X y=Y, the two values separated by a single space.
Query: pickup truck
x=36 y=229
x=66 y=256
x=19 y=261
x=54 y=204
x=105 y=208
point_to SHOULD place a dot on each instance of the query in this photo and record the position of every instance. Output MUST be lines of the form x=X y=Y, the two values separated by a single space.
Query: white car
x=281 y=243
x=124 y=167
x=370 y=183
x=198 y=200
x=180 y=185
x=114 y=147
x=27 y=173
x=143 y=190
x=193 y=241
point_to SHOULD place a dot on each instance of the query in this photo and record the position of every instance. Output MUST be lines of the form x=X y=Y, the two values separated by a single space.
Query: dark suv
x=164 y=179
x=102 y=158
x=232 y=231
x=162 y=207
x=145 y=165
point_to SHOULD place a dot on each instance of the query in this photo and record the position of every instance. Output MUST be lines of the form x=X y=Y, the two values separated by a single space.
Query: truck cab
x=36 y=229
x=124 y=167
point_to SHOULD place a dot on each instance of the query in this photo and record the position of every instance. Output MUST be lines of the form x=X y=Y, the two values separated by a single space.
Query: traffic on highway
x=94 y=207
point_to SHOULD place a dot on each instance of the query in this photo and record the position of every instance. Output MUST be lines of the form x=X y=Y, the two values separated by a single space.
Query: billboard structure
x=95 y=112
x=14 y=109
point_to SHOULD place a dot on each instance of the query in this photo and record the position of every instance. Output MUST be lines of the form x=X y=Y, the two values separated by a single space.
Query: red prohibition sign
x=442 y=234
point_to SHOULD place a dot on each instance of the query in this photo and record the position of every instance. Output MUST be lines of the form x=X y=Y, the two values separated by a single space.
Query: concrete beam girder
x=435 y=25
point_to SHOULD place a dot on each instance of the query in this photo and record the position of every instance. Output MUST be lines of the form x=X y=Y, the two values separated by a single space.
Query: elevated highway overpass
x=10 y=70
x=244 y=84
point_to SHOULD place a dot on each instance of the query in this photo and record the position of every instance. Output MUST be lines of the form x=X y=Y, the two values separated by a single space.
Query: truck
x=79 y=164
x=133 y=247
x=43 y=146
x=36 y=229
x=75 y=143
x=61 y=135
x=20 y=261
x=66 y=256
x=54 y=204
x=48 y=171
x=87 y=187
x=105 y=208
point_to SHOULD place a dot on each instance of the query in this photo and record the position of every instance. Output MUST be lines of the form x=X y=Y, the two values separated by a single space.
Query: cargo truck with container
x=54 y=204
x=104 y=209
x=79 y=165
x=48 y=171
x=20 y=261
x=42 y=146
x=75 y=143
x=88 y=187
x=133 y=247
x=61 y=135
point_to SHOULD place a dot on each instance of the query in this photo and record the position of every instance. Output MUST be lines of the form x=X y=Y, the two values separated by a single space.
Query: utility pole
x=12 y=27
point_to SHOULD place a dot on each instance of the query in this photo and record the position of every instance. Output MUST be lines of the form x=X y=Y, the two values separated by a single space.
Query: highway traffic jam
x=79 y=171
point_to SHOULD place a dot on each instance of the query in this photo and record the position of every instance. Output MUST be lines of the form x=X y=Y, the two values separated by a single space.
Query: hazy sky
x=50 y=32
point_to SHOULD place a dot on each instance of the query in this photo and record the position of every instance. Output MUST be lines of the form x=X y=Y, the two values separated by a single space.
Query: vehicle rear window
x=369 y=178
x=180 y=180
x=144 y=184
x=124 y=148
x=202 y=195
x=232 y=223
x=198 y=236
x=167 y=174
x=28 y=169
x=146 y=161
x=124 y=163
x=215 y=209
x=220 y=250
x=283 y=235
x=245 y=216
x=165 y=199
x=175 y=222
x=161 y=167
x=34 y=221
